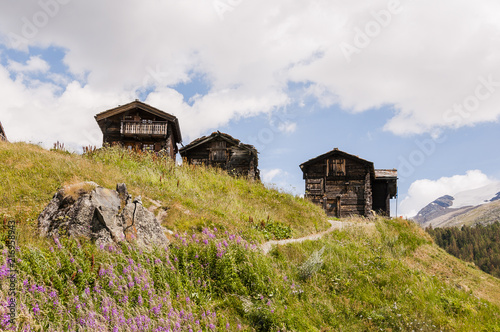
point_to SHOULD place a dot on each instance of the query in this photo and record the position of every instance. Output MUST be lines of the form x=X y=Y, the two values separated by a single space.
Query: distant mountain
x=481 y=205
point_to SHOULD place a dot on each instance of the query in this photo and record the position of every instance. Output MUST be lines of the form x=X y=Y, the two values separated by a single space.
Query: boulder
x=100 y=214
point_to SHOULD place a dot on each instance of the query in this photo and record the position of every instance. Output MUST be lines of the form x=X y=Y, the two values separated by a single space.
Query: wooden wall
x=341 y=185
x=233 y=158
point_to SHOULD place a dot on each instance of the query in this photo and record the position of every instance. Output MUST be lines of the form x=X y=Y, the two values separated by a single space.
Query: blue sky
x=407 y=85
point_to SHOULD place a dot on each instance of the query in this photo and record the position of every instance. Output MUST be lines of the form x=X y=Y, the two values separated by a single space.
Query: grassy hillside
x=382 y=275
x=479 y=244
x=194 y=197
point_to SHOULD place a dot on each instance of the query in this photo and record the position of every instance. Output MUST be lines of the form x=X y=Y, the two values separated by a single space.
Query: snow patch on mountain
x=477 y=196
x=462 y=207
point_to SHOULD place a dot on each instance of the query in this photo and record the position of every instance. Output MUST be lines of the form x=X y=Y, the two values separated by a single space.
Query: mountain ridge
x=479 y=205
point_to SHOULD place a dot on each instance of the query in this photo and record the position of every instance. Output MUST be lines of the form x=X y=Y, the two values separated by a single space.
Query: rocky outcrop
x=100 y=214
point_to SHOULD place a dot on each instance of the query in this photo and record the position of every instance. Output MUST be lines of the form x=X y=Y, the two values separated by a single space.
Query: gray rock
x=121 y=188
x=102 y=215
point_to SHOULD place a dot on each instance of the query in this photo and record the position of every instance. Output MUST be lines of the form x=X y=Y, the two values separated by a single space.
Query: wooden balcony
x=154 y=128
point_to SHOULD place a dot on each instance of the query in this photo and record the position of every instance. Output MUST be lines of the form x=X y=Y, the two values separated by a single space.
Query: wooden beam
x=339 y=205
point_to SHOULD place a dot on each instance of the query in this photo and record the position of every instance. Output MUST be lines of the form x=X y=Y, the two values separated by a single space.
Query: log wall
x=341 y=185
x=233 y=158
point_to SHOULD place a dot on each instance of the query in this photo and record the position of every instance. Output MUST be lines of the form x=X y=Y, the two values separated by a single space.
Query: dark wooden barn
x=223 y=151
x=139 y=126
x=344 y=184
x=3 y=137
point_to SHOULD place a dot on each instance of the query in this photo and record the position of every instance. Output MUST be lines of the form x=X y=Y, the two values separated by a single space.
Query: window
x=335 y=167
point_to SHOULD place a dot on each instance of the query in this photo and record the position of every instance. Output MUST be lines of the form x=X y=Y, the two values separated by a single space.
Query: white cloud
x=423 y=192
x=278 y=179
x=34 y=65
x=287 y=127
x=426 y=59
x=41 y=114
x=268 y=175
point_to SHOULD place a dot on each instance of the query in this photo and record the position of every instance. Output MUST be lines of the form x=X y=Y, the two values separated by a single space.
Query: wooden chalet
x=223 y=151
x=344 y=184
x=139 y=126
x=3 y=137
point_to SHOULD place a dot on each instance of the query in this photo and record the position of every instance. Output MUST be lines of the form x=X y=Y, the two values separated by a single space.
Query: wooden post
x=338 y=206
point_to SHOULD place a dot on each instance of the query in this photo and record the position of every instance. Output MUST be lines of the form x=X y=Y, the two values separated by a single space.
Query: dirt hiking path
x=267 y=246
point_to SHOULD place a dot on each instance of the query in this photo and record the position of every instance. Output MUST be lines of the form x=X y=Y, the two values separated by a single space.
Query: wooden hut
x=223 y=151
x=344 y=184
x=3 y=137
x=139 y=126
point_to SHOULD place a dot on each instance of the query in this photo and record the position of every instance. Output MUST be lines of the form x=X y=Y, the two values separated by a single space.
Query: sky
x=412 y=85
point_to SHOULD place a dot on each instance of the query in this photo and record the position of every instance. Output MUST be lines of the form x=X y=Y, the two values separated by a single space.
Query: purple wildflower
x=56 y=240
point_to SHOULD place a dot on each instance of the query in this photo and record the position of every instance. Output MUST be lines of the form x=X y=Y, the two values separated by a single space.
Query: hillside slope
x=483 y=214
x=382 y=275
x=193 y=197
